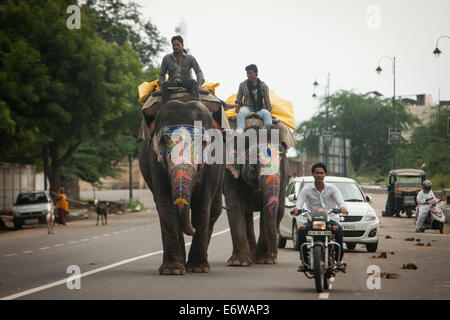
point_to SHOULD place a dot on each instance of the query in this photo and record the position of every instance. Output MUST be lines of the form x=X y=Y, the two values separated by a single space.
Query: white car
x=359 y=226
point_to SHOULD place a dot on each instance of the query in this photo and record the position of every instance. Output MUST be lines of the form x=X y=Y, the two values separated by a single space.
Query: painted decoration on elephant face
x=269 y=160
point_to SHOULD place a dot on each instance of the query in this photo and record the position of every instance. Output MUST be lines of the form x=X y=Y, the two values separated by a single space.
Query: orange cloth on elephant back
x=62 y=203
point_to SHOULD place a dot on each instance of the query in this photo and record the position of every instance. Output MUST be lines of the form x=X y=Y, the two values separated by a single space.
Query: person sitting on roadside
x=179 y=64
x=255 y=96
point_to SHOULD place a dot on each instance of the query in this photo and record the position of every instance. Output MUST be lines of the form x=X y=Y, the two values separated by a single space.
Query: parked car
x=31 y=207
x=359 y=226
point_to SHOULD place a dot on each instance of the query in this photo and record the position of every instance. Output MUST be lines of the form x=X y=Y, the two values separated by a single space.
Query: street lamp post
x=393 y=100
x=436 y=51
x=327 y=95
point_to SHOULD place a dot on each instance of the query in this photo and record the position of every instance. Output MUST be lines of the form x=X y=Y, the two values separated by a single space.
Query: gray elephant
x=182 y=183
x=258 y=186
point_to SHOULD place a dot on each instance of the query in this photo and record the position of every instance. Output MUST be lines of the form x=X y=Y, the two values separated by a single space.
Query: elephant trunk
x=182 y=178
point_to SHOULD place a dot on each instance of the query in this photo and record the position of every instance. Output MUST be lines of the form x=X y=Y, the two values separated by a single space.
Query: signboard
x=327 y=138
x=395 y=136
x=336 y=155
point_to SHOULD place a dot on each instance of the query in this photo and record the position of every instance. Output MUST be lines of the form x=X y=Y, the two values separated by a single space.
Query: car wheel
x=281 y=242
x=372 y=247
x=351 y=246
x=295 y=242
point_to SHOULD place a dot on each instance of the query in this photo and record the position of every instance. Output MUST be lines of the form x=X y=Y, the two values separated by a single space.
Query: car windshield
x=349 y=190
x=409 y=180
x=31 y=198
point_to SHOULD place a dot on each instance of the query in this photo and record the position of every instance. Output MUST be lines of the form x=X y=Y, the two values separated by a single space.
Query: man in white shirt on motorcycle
x=321 y=195
x=423 y=206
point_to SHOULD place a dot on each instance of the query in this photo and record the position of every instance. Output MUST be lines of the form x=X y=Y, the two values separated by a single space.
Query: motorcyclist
x=325 y=196
x=423 y=206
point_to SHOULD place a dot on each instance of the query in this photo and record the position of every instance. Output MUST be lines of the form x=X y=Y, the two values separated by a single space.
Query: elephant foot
x=198 y=267
x=173 y=268
x=266 y=260
x=239 y=260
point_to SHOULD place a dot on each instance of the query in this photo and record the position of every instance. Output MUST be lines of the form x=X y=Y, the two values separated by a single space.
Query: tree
x=362 y=119
x=62 y=87
x=429 y=146
x=120 y=23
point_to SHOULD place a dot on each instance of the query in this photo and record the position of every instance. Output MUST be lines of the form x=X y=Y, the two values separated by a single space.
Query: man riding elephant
x=182 y=183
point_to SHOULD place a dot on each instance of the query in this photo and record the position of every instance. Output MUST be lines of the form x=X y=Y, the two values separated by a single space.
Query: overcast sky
x=291 y=41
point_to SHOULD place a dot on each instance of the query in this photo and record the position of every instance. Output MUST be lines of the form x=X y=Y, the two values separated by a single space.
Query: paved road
x=121 y=261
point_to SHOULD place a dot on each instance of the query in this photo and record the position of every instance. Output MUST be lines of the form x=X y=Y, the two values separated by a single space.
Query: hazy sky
x=291 y=41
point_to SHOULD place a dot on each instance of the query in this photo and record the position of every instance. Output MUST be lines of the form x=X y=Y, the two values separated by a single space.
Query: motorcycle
x=435 y=218
x=322 y=248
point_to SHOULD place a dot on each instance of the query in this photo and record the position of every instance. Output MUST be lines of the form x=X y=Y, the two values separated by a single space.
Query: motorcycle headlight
x=319 y=225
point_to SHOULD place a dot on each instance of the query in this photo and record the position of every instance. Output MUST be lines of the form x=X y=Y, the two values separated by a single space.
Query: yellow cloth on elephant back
x=146 y=89
x=281 y=109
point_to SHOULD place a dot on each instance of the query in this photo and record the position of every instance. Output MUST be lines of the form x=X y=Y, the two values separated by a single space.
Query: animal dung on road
x=409 y=239
x=389 y=237
x=388 y=275
x=420 y=244
x=382 y=255
x=409 y=266
x=417 y=240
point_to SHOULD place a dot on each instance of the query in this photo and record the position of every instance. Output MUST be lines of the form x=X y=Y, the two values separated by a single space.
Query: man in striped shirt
x=253 y=96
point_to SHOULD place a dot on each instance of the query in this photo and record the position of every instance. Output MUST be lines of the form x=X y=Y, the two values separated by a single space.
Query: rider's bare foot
x=301 y=268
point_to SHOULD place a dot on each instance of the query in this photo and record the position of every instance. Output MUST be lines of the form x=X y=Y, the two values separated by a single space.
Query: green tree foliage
x=60 y=87
x=365 y=121
x=122 y=22
x=430 y=145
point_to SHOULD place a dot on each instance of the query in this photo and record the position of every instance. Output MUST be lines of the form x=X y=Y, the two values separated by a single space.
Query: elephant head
x=179 y=143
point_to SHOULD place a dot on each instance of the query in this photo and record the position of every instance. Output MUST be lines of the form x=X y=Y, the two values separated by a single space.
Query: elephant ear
x=156 y=148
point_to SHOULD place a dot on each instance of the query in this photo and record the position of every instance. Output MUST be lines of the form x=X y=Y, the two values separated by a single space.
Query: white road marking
x=73 y=242
x=10 y=255
x=85 y=274
x=84 y=240
x=326 y=295
x=44 y=248
x=28 y=251
x=106 y=235
x=59 y=245
x=96 y=237
x=116 y=232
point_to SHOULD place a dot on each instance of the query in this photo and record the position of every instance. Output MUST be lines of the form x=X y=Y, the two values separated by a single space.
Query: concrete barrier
x=373 y=189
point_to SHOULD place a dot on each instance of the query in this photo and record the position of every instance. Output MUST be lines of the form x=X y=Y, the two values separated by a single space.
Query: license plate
x=409 y=200
x=319 y=233
x=348 y=227
x=31 y=221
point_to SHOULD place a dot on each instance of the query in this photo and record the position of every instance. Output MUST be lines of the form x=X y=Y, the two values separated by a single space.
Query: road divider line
x=59 y=245
x=44 y=248
x=28 y=251
x=10 y=255
x=87 y=273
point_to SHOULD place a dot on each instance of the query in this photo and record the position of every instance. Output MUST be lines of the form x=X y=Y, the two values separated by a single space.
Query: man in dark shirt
x=178 y=64
x=253 y=96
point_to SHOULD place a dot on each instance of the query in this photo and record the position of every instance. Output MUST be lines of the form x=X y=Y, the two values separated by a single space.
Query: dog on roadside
x=102 y=211
x=50 y=218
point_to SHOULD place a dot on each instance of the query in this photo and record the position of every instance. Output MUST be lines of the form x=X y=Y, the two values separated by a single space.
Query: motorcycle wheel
x=318 y=268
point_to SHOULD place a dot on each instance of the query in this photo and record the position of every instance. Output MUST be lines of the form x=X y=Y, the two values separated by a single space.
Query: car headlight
x=319 y=225
x=371 y=217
